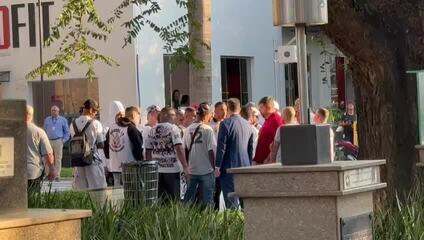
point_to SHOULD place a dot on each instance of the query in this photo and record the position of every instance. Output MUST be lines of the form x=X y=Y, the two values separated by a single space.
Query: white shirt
x=119 y=148
x=94 y=133
x=162 y=140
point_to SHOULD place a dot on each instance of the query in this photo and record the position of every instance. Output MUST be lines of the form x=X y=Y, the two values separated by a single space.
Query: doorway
x=176 y=78
x=236 y=78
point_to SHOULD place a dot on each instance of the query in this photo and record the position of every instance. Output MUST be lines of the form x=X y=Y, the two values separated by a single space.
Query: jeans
x=207 y=185
x=227 y=186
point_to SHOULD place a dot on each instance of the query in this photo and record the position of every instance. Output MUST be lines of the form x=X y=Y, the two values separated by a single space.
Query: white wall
x=150 y=51
x=317 y=42
x=244 y=28
x=114 y=83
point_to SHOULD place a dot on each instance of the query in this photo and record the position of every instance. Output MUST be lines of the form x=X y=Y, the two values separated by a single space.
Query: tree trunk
x=200 y=87
x=385 y=94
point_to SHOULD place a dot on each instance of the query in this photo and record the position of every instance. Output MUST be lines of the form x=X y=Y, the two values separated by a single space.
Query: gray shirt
x=38 y=146
x=204 y=141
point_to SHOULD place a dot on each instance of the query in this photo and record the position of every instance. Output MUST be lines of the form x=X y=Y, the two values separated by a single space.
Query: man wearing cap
x=57 y=130
x=91 y=176
x=200 y=143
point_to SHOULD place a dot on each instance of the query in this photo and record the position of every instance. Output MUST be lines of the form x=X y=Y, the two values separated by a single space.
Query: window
x=236 y=78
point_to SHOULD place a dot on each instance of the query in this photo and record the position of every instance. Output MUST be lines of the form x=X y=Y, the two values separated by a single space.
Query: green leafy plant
x=164 y=222
x=336 y=115
x=403 y=217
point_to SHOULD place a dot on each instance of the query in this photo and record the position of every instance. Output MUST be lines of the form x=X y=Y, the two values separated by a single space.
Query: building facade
x=242 y=60
x=20 y=53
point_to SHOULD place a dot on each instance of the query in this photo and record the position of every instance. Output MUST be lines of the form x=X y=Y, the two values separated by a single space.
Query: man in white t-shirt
x=93 y=175
x=200 y=142
x=164 y=144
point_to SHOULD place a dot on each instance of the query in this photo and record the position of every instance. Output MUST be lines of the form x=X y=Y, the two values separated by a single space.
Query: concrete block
x=13 y=192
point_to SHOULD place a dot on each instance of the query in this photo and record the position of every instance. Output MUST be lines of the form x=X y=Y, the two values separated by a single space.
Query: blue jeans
x=227 y=186
x=207 y=186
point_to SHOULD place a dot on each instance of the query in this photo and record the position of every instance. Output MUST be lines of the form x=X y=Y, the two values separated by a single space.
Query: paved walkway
x=63 y=185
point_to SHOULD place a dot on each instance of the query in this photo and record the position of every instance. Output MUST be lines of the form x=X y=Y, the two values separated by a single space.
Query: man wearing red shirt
x=267 y=133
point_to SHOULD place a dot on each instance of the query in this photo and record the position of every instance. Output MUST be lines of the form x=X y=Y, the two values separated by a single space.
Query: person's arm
x=106 y=148
x=100 y=139
x=179 y=149
x=273 y=154
x=49 y=158
x=210 y=145
x=221 y=145
x=45 y=124
x=46 y=152
x=250 y=147
x=65 y=129
x=136 y=142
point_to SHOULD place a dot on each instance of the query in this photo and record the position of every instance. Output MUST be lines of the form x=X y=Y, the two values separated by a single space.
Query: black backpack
x=81 y=153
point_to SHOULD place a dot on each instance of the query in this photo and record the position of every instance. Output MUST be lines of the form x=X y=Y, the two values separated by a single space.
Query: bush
x=172 y=221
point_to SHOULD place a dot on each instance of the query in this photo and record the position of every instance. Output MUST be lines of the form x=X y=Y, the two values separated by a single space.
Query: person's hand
x=254 y=163
x=52 y=174
x=187 y=172
x=217 y=172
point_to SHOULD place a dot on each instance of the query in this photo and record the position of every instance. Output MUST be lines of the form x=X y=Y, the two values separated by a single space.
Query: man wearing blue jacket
x=234 y=149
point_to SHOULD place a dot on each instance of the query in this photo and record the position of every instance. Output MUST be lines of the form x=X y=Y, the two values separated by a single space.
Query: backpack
x=80 y=150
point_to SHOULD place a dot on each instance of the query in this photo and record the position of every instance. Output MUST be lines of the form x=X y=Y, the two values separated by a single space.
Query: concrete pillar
x=200 y=87
x=321 y=202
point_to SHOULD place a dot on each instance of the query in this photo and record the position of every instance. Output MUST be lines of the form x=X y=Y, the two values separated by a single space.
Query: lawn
x=66 y=173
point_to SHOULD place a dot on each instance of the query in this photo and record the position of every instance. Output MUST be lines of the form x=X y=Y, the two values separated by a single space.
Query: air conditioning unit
x=287 y=54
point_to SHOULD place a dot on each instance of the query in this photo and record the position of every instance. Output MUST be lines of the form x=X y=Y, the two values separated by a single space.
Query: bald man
x=38 y=147
x=57 y=129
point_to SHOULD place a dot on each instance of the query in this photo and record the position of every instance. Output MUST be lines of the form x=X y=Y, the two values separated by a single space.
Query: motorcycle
x=346 y=151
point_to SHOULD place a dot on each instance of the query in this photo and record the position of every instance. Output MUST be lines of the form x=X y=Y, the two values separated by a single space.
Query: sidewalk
x=64 y=185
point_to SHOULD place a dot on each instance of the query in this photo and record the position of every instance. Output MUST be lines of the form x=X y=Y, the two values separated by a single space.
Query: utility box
x=288 y=13
x=305 y=144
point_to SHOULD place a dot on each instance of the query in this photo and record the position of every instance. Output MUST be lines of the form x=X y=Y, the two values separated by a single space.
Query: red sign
x=4 y=28
x=11 y=22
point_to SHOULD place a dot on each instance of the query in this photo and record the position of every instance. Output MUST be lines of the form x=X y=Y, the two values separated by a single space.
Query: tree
x=79 y=25
x=383 y=39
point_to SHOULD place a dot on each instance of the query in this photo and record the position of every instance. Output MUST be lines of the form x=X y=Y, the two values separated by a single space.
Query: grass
x=394 y=220
x=402 y=218
x=66 y=173
x=164 y=222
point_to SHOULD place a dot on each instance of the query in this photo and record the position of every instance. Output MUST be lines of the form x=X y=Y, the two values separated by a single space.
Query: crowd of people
x=193 y=145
